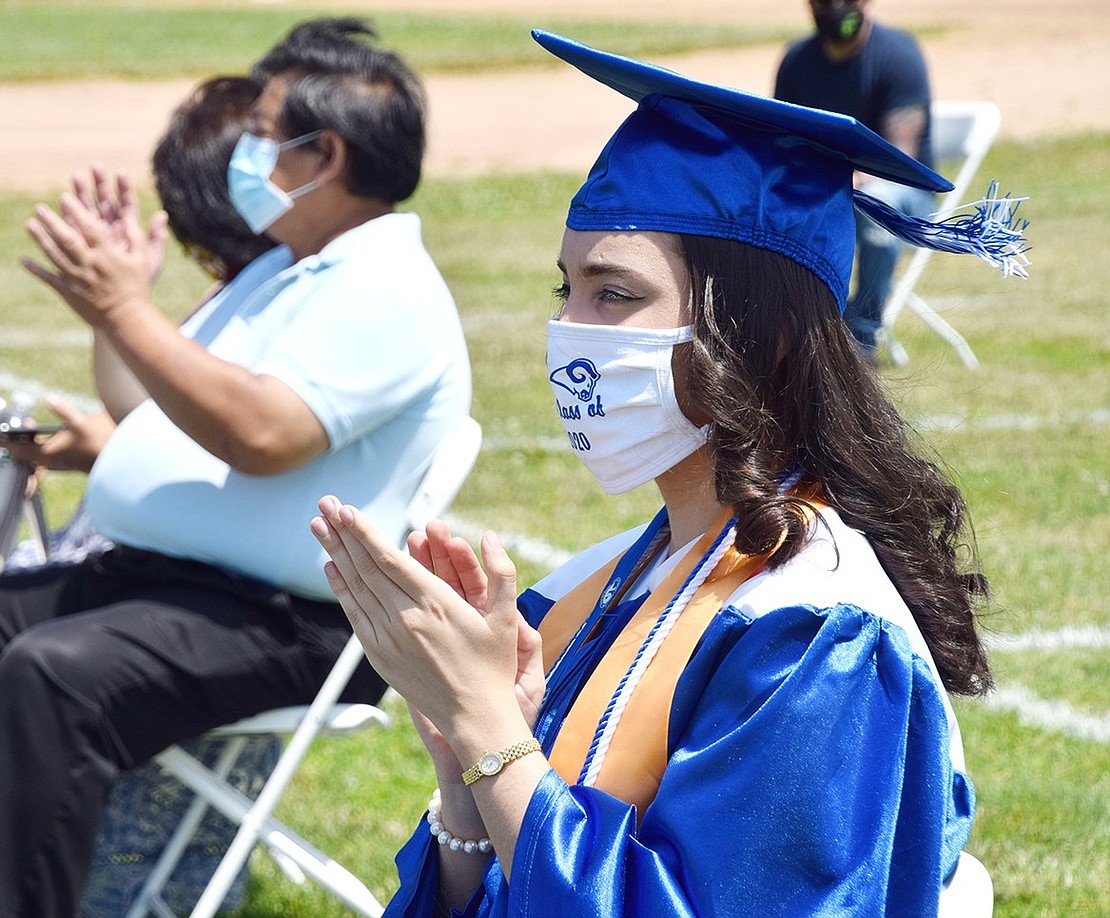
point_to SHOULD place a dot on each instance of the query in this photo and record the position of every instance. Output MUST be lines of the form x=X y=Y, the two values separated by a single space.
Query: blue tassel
x=991 y=232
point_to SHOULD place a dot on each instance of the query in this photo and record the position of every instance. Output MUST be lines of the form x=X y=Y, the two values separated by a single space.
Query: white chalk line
x=537 y=552
x=955 y=423
x=12 y=383
x=31 y=339
x=1044 y=714
x=949 y=423
x=1083 y=637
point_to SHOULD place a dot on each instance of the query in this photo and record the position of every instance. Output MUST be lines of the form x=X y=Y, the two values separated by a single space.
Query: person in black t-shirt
x=876 y=74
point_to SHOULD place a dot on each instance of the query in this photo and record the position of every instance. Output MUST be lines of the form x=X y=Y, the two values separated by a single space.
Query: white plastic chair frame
x=969 y=892
x=961 y=131
x=16 y=508
x=450 y=465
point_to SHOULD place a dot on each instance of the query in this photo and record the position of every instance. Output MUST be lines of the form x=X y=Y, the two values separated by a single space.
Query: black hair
x=190 y=173
x=369 y=96
x=785 y=388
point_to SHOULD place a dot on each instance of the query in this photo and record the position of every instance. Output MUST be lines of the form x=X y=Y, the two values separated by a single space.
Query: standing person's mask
x=615 y=393
x=839 y=23
x=257 y=199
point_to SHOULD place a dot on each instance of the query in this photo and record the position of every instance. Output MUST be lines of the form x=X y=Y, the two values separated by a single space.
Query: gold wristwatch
x=492 y=762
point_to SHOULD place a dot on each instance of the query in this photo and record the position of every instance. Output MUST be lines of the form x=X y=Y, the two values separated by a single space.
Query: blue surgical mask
x=257 y=199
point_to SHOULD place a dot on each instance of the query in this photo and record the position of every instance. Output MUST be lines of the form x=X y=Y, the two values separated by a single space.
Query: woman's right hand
x=452 y=559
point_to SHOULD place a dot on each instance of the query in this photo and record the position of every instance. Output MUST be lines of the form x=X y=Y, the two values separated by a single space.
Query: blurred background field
x=71 y=40
x=1027 y=435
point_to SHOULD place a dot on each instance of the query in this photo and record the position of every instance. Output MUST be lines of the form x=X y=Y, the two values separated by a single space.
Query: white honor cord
x=662 y=627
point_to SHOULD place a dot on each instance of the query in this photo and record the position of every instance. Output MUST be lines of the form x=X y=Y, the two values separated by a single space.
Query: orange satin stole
x=637 y=754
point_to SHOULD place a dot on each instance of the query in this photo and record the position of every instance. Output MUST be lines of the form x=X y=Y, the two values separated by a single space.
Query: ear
x=682 y=356
x=333 y=158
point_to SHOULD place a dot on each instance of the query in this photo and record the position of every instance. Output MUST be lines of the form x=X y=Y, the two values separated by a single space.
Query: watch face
x=490 y=763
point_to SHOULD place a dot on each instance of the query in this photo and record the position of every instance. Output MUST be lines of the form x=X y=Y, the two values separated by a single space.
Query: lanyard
x=606 y=619
x=629 y=568
x=611 y=720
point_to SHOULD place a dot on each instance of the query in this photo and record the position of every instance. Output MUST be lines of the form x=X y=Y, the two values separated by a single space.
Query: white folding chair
x=17 y=508
x=962 y=132
x=969 y=892
x=452 y=462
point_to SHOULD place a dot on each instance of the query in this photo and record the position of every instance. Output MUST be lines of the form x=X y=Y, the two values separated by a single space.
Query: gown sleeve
x=808 y=775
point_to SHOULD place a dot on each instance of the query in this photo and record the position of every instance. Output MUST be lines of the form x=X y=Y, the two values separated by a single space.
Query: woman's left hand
x=457 y=664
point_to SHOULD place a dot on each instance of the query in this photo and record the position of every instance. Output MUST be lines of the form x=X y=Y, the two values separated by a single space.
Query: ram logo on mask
x=578 y=377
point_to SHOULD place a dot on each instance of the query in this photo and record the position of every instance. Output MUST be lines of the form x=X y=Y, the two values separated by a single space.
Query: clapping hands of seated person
x=101 y=260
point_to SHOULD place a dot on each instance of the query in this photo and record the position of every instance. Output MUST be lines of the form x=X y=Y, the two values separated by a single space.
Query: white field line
x=1086 y=637
x=33 y=387
x=538 y=552
x=1043 y=714
x=31 y=339
x=959 y=424
x=550 y=444
x=951 y=423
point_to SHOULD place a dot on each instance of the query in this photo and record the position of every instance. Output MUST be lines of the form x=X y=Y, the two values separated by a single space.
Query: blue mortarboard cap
x=714 y=161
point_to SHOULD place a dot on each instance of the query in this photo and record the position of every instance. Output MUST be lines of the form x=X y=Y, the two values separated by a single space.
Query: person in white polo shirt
x=342 y=366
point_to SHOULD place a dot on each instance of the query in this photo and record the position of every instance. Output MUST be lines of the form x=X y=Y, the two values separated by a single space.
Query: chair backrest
x=963 y=132
x=451 y=463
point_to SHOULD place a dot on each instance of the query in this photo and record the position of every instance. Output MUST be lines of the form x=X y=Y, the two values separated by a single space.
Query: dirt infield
x=1045 y=66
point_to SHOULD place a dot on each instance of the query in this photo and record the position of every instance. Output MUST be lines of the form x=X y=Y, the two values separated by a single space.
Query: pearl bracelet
x=441 y=835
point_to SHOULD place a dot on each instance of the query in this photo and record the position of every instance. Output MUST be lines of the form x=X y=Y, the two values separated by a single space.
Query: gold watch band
x=492 y=762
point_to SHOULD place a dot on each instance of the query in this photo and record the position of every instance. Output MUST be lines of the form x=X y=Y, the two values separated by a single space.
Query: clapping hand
x=444 y=633
x=96 y=193
x=101 y=258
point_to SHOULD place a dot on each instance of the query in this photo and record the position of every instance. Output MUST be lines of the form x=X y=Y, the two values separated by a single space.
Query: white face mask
x=615 y=393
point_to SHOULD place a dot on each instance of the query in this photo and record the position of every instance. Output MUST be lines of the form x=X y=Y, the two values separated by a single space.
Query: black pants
x=105 y=663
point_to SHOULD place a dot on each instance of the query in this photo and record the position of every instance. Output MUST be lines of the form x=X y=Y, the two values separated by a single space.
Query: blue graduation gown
x=809 y=773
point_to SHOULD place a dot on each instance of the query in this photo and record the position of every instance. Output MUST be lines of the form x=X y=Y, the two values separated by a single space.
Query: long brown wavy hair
x=785 y=389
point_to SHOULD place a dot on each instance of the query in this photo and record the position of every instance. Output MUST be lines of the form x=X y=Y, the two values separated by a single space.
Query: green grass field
x=1027 y=436
x=71 y=39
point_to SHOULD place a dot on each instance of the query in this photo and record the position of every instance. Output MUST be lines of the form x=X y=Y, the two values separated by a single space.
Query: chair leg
x=265 y=829
x=254 y=817
x=947 y=332
x=149 y=897
x=35 y=516
x=884 y=339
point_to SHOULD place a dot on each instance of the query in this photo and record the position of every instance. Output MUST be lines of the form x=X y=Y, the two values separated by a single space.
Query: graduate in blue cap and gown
x=741 y=707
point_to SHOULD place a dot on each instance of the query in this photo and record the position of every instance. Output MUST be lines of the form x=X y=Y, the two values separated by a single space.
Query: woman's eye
x=608 y=293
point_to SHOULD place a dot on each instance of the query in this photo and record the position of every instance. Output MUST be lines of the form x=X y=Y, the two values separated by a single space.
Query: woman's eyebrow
x=600 y=267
